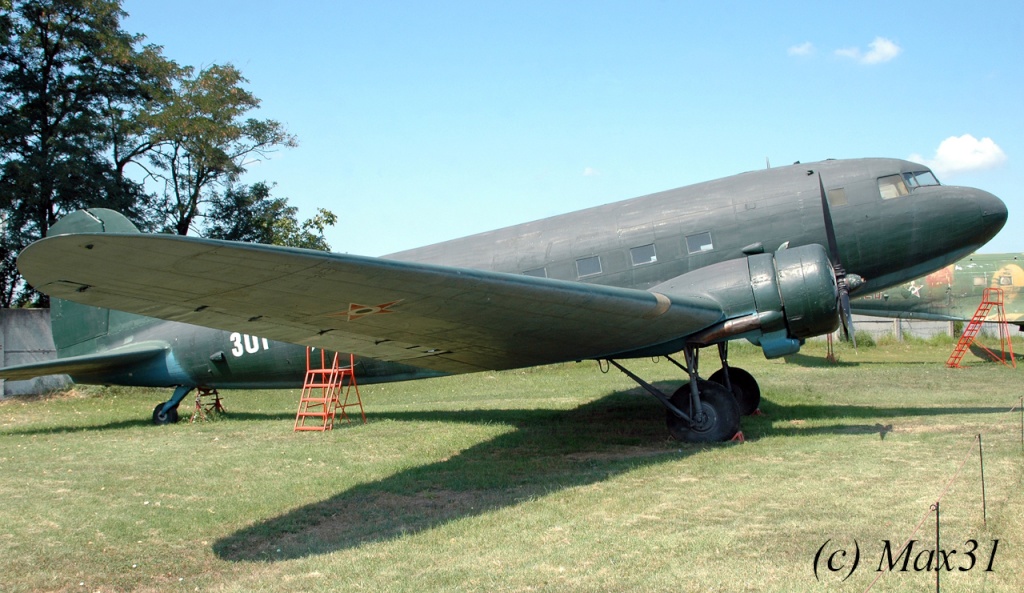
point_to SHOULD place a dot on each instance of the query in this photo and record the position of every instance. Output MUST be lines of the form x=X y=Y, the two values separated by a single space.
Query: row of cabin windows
x=639 y=256
x=891 y=186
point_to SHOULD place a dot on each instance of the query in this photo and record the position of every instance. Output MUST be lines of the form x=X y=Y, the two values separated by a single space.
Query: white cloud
x=804 y=49
x=880 y=50
x=590 y=172
x=958 y=154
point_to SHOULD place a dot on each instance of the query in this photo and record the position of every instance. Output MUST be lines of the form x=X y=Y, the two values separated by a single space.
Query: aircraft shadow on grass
x=981 y=353
x=549 y=450
x=806 y=360
x=779 y=419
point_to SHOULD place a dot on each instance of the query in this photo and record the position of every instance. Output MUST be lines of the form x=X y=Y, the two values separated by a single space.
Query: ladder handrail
x=330 y=381
x=990 y=297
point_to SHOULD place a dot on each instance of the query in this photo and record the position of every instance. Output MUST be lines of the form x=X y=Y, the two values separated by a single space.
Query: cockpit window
x=920 y=179
x=892 y=186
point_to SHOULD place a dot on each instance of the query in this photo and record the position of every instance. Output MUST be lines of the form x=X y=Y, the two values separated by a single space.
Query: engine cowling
x=775 y=300
x=803 y=287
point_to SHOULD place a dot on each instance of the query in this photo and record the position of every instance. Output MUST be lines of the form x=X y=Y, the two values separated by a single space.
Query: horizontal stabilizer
x=86 y=363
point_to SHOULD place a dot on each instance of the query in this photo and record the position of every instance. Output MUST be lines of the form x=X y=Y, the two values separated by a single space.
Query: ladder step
x=324 y=405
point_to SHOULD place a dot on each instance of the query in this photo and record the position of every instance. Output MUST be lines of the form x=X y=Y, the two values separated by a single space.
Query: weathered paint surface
x=954 y=292
x=617 y=250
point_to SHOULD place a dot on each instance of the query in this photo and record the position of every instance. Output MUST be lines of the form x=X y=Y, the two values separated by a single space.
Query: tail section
x=77 y=327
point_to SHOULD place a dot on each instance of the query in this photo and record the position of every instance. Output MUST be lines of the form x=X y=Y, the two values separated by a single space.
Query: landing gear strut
x=167 y=412
x=705 y=411
x=741 y=383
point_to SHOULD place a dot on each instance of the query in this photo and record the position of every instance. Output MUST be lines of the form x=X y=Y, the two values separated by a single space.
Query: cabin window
x=699 y=243
x=537 y=272
x=1006 y=281
x=644 y=254
x=920 y=179
x=588 y=266
x=979 y=281
x=837 y=197
x=892 y=186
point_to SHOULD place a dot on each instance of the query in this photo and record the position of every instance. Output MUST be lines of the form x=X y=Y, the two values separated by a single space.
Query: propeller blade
x=847 y=317
x=830 y=230
x=843 y=281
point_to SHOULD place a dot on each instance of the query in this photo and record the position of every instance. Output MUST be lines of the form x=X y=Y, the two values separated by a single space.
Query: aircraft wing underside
x=442 y=318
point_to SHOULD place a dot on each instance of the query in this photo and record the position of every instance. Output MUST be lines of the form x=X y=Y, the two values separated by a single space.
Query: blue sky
x=424 y=121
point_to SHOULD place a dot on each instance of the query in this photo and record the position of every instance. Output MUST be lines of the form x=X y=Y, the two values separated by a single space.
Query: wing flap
x=443 y=318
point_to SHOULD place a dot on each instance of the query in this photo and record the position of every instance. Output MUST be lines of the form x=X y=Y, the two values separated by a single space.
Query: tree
x=131 y=132
x=81 y=100
x=249 y=213
x=202 y=141
x=63 y=63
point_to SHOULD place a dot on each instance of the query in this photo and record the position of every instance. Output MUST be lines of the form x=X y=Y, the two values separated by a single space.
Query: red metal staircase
x=320 y=402
x=991 y=297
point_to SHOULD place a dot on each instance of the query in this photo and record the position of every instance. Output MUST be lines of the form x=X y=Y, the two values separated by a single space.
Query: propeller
x=845 y=282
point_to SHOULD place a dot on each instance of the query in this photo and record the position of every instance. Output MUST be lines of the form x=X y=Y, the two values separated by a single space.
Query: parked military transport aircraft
x=954 y=292
x=681 y=270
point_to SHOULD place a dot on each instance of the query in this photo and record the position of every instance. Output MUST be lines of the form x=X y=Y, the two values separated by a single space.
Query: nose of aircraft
x=993 y=211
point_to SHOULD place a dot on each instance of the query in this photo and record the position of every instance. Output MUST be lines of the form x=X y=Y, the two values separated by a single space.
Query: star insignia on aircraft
x=357 y=311
x=915 y=289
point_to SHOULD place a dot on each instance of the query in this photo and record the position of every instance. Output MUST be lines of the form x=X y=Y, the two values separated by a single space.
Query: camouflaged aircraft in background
x=954 y=292
x=770 y=256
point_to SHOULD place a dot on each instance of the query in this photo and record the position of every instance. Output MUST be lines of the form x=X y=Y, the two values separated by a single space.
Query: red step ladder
x=319 y=402
x=991 y=297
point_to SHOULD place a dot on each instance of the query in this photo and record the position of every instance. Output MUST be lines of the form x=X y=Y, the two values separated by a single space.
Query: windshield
x=920 y=179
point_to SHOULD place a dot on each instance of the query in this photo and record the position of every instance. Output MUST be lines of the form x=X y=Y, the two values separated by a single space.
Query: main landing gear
x=167 y=412
x=706 y=411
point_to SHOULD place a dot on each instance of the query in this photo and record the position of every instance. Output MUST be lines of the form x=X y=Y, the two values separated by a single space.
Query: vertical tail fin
x=74 y=324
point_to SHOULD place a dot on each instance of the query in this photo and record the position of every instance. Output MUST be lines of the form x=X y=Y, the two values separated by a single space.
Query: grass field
x=552 y=479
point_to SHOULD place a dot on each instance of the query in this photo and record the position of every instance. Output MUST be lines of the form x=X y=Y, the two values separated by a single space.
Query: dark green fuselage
x=637 y=243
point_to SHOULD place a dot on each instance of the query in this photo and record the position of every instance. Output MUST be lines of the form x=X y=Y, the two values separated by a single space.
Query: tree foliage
x=85 y=105
x=250 y=213
x=204 y=142
x=62 y=64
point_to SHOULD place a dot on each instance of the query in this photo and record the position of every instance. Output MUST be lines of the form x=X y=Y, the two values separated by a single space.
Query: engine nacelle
x=775 y=300
x=801 y=283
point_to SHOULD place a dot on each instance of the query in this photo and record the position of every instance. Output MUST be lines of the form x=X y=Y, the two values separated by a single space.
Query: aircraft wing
x=447 y=319
x=85 y=364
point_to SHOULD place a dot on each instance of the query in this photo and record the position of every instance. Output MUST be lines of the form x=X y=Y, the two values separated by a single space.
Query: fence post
x=938 y=545
x=984 y=506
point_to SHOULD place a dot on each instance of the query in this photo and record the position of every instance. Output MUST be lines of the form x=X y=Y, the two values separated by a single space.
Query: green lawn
x=552 y=479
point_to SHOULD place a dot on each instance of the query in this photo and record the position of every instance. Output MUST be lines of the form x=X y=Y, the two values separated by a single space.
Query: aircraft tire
x=161 y=417
x=744 y=387
x=721 y=414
